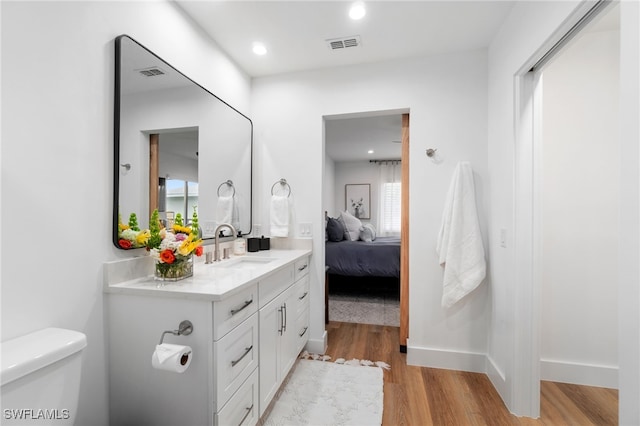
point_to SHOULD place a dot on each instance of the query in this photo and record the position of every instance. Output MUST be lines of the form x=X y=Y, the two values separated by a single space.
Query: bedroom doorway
x=369 y=152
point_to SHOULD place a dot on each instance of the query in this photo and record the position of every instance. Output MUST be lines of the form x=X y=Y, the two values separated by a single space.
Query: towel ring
x=282 y=182
x=228 y=183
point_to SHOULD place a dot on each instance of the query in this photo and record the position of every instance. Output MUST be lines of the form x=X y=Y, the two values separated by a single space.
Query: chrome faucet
x=216 y=253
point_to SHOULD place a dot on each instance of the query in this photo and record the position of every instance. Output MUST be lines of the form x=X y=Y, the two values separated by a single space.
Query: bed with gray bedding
x=378 y=258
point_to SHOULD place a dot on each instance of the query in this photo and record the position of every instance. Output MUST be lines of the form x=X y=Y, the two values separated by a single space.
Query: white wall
x=57 y=144
x=526 y=32
x=447 y=99
x=580 y=201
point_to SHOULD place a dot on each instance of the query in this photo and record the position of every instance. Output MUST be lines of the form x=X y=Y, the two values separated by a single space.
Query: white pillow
x=352 y=225
x=367 y=232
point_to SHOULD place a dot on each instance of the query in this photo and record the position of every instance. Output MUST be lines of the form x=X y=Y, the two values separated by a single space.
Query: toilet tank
x=40 y=377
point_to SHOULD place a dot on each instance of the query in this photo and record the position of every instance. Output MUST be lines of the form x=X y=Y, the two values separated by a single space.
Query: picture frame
x=357 y=200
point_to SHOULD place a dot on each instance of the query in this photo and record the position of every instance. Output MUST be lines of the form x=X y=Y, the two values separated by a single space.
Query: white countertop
x=215 y=281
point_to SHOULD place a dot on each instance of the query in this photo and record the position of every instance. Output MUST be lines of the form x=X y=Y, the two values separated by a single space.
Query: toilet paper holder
x=184 y=328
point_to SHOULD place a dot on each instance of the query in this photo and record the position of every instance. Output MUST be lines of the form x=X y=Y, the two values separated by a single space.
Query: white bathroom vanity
x=250 y=317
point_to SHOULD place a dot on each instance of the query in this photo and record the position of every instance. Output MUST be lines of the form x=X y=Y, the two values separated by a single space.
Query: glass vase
x=180 y=269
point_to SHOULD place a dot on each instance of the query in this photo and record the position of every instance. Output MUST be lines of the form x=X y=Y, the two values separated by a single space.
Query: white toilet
x=40 y=377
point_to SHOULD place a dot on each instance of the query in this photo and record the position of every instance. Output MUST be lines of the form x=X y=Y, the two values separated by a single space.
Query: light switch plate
x=304 y=229
x=503 y=237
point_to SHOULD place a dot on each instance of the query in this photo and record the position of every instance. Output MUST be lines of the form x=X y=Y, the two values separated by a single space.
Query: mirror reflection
x=178 y=147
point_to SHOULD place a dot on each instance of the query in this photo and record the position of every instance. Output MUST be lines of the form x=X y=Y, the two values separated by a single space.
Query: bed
x=370 y=257
x=378 y=258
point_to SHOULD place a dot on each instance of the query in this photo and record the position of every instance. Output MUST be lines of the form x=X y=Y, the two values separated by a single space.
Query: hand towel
x=224 y=209
x=279 y=216
x=459 y=245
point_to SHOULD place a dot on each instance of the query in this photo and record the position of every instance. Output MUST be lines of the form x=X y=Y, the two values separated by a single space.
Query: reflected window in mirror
x=182 y=197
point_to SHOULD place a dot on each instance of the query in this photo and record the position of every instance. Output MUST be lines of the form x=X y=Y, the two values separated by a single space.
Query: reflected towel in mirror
x=225 y=209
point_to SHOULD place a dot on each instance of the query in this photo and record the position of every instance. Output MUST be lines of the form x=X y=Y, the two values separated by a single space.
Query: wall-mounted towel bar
x=228 y=183
x=284 y=184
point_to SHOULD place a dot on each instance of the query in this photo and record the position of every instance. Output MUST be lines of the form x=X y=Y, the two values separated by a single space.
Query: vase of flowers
x=130 y=236
x=173 y=249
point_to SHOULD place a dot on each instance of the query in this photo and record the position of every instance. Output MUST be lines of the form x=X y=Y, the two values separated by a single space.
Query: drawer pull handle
x=245 y=416
x=302 y=268
x=303 y=331
x=246 y=351
x=246 y=303
x=281 y=322
x=303 y=296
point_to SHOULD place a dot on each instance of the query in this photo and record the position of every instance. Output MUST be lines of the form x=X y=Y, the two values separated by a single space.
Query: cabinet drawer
x=301 y=268
x=301 y=291
x=242 y=408
x=235 y=357
x=274 y=284
x=230 y=312
x=302 y=330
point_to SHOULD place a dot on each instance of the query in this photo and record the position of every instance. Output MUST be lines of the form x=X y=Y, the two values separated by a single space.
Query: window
x=176 y=200
x=390 y=196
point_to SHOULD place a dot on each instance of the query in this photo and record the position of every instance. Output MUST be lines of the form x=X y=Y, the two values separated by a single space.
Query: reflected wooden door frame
x=154 y=171
x=404 y=238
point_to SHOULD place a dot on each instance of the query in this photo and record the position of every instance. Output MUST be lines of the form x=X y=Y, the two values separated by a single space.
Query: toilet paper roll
x=168 y=357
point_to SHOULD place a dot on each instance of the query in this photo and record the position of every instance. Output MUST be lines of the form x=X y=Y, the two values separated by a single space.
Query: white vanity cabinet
x=246 y=337
x=282 y=316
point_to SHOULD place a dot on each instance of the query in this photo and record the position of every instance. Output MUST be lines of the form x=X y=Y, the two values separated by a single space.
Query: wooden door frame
x=404 y=238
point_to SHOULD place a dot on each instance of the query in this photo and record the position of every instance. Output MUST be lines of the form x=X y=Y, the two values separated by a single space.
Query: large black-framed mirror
x=177 y=147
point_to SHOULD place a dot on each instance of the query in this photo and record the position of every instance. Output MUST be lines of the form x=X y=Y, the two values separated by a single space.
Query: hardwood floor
x=429 y=396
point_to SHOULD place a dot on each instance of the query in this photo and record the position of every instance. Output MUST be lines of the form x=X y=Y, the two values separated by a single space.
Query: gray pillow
x=335 y=230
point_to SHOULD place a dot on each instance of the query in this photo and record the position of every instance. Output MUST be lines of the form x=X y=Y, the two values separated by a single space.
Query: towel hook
x=431 y=152
x=185 y=328
x=284 y=183
x=228 y=182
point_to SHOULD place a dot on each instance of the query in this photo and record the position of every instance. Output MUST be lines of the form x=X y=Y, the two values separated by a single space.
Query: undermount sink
x=243 y=262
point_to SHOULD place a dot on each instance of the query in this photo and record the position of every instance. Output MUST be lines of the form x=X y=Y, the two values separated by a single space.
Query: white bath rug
x=327 y=393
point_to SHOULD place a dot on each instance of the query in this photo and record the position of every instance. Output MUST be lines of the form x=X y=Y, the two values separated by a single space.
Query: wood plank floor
x=428 y=396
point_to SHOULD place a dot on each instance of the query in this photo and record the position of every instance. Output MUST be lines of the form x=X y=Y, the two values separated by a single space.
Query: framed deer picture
x=358 y=200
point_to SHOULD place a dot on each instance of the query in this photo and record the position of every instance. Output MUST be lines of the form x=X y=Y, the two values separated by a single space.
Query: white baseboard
x=498 y=380
x=317 y=346
x=450 y=360
x=579 y=374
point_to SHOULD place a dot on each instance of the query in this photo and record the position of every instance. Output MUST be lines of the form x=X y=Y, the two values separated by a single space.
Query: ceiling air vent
x=151 y=72
x=344 y=42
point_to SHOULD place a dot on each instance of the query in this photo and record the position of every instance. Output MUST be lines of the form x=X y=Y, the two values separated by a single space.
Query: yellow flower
x=188 y=246
x=143 y=237
x=182 y=229
x=122 y=226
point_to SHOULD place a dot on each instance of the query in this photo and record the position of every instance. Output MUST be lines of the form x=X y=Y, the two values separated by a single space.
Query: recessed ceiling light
x=357 y=11
x=370 y=151
x=259 y=49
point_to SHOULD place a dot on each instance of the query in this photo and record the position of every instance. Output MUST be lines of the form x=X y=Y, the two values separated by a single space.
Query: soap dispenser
x=239 y=245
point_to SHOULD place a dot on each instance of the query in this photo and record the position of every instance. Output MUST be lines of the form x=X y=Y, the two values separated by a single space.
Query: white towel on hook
x=459 y=245
x=279 y=216
x=225 y=209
